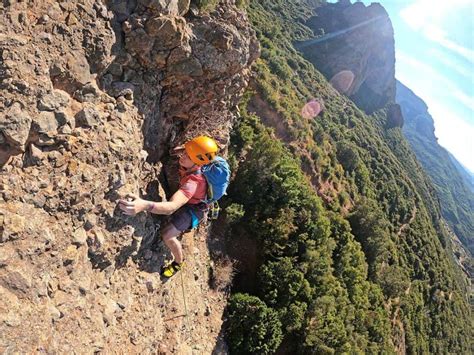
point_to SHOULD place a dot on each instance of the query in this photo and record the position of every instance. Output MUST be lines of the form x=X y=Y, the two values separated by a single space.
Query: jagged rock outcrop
x=197 y=66
x=394 y=116
x=419 y=121
x=93 y=97
x=354 y=48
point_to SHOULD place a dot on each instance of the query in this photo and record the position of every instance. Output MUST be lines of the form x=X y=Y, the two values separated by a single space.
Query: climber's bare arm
x=138 y=205
x=177 y=200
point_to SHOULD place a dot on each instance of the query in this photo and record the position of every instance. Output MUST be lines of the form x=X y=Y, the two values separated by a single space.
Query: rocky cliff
x=354 y=48
x=94 y=94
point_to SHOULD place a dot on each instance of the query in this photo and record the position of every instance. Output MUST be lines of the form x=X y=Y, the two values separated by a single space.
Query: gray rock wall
x=355 y=39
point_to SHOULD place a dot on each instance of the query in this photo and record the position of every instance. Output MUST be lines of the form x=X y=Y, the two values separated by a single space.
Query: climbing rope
x=186 y=322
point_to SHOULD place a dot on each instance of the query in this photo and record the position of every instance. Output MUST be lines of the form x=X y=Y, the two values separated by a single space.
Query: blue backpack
x=217 y=175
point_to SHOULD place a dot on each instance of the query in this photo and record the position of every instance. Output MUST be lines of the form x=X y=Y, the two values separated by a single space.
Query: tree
x=348 y=155
x=371 y=229
x=254 y=328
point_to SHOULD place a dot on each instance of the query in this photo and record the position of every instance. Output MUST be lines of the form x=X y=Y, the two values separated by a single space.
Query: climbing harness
x=213 y=211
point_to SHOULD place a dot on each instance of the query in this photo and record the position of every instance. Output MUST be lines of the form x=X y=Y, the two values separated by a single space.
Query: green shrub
x=348 y=155
x=234 y=212
x=253 y=327
x=393 y=280
x=242 y=3
x=205 y=5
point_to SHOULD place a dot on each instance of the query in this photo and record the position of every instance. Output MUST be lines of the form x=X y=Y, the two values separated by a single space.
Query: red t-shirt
x=193 y=185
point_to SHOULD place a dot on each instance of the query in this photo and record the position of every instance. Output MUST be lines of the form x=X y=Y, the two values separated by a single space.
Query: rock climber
x=186 y=206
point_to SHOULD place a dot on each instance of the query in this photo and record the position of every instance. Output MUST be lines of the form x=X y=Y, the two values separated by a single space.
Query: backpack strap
x=209 y=187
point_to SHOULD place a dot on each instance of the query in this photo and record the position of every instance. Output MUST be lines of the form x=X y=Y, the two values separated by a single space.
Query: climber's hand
x=132 y=205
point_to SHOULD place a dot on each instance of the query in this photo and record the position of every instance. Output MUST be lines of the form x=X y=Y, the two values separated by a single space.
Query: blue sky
x=434 y=45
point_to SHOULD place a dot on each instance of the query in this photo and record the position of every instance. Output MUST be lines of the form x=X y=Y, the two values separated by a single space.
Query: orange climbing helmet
x=202 y=150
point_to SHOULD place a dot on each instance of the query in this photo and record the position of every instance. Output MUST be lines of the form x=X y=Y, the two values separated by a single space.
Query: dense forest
x=351 y=254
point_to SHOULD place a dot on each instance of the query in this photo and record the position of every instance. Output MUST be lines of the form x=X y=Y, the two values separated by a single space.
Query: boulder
x=122 y=9
x=88 y=117
x=79 y=237
x=120 y=88
x=63 y=117
x=88 y=93
x=45 y=123
x=53 y=101
x=139 y=42
x=168 y=7
x=394 y=116
x=70 y=72
x=15 y=126
x=182 y=63
x=35 y=154
x=168 y=32
x=17 y=279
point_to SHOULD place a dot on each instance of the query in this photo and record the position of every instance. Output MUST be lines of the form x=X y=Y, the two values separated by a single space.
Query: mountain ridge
x=453 y=187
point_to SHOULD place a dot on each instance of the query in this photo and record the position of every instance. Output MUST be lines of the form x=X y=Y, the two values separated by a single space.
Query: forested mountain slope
x=337 y=228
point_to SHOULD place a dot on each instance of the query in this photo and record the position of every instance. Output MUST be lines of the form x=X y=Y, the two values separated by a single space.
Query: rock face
x=93 y=97
x=355 y=40
x=394 y=116
x=196 y=66
x=419 y=121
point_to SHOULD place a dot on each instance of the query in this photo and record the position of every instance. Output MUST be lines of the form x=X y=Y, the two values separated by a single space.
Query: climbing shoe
x=170 y=269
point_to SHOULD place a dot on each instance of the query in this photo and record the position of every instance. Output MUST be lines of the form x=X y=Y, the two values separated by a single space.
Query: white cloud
x=422 y=12
x=452 y=64
x=467 y=100
x=440 y=38
x=454 y=132
x=426 y=16
x=419 y=13
x=432 y=81
x=400 y=56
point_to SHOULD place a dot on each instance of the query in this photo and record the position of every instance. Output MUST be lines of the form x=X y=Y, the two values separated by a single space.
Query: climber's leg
x=170 y=237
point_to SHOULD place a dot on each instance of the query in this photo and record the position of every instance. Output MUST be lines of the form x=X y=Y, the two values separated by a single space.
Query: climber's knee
x=169 y=232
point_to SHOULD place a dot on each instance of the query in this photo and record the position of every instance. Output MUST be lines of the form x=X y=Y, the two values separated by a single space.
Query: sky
x=434 y=46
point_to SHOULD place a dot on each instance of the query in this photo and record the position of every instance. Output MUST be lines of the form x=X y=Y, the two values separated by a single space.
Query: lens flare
x=311 y=109
x=342 y=81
